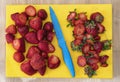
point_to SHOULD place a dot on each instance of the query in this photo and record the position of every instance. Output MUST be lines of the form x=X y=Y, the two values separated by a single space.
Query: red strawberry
x=97 y=17
x=9 y=38
x=18 y=57
x=98 y=46
x=101 y=28
x=71 y=16
x=103 y=58
x=77 y=42
x=50 y=36
x=86 y=48
x=44 y=55
x=22 y=19
x=30 y=10
x=89 y=39
x=32 y=50
x=25 y=14
x=37 y=61
x=23 y=30
x=27 y=68
x=79 y=29
x=14 y=16
x=43 y=46
x=19 y=44
x=82 y=16
x=31 y=37
x=94 y=53
x=51 y=48
x=92 y=60
x=53 y=62
x=40 y=34
x=42 y=14
x=36 y=23
x=94 y=66
x=78 y=22
x=42 y=70
x=48 y=26
x=11 y=29
x=81 y=61
x=79 y=37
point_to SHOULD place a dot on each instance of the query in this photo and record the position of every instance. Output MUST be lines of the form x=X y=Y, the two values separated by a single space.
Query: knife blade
x=61 y=42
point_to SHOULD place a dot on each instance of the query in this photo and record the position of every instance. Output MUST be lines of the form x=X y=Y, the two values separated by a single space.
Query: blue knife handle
x=67 y=58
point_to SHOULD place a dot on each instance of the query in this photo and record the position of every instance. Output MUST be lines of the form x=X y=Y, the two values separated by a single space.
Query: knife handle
x=67 y=58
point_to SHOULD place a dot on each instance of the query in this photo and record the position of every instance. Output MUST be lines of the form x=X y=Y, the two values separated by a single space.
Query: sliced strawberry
x=81 y=61
x=42 y=70
x=36 y=23
x=98 y=46
x=94 y=66
x=92 y=60
x=11 y=29
x=30 y=10
x=51 y=48
x=27 y=68
x=32 y=50
x=101 y=28
x=94 y=53
x=9 y=38
x=71 y=16
x=31 y=37
x=22 y=19
x=19 y=44
x=43 y=46
x=18 y=57
x=50 y=36
x=14 y=16
x=23 y=30
x=48 y=26
x=82 y=16
x=42 y=14
x=104 y=58
x=78 y=22
x=40 y=34
x=79 y=29
x=77 y=42
x=86 y=48
x=53 y=62
x=79 y=37
x=44 y=55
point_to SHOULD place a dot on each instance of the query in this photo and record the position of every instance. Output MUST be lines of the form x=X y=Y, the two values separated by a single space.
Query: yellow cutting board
x=13 y=68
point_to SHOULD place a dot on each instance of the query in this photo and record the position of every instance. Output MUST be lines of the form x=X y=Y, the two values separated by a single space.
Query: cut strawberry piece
x=53 y=62
x=40 y=34
x=42 y=14
x=25 y=15
x=103 y=58
x=51 y=48
x=94 y=54
x=27 y=68
x=79 y=37
x=11 y=29
x=32 y=50
x=42 y=70
x=43 y=46
x=98 y=46
x=44 y=55
x=37 y=61
x=81 y=61
x=82 y=16
x=78 y=22
x=31 y=37
x=94 y=66
x=86 y=48
x=92 y=60
x=30 y=10
x=23 y=30
x=101 y=28
x=97 y=17
x=36 y=23
x=18 y=57
x=79 y=29
x=50 y=36
x=14 y=16
x=48 y=26
x=71 y=16
x=77 y=42
x=19 y=44
x=9 y=38
x=22 y=19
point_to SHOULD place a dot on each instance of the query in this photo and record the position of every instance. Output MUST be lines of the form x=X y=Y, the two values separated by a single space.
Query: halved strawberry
x=19 y=44
x=50 y=36
x=77 y=42
x=35 y=23
x=79 y=37
x=18 y=57
x=98 y=46
x=51 y=48
x=101 y=28
x=103 y=58
x=48 y=26
x=14 y=16
x=42 y=70
x=81 y=61
x=22 y=19
x=44 y=55
x=78 y=22
x=30 y=10
x=40 y=34
x=94 y=53
x=92 y=60
x=94 y=66
x=42 y=14
x=31 y=37
x=11 y=29
x=86 y=48
x=71 y=15
x=53 y=62
x=79 y=29
x=82 y=16
x=9 y=38
x=43 y=46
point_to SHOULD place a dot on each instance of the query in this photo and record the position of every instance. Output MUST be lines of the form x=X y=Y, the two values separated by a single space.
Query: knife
x=61 y=42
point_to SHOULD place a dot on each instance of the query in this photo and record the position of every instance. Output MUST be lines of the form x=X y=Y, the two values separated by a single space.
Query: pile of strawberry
x=29 y=24
x=87 y=40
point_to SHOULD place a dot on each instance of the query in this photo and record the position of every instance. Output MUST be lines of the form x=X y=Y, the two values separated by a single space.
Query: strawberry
x=53 y=62
x=9 y=38
x=18 y=57
x=19 y=44
x=97 y=17
x=79 y=29
x=77 y=42
x=48 y=26
x=37 y=61
x=14 y=16
x=77 y=22
x=82 y=16
x=92 y=60
x=103 y=58
x=35 y=23
x=98 y=46
x=101 y=28
x=42 y=14
x=30 y=10
x=81 y=61
x=31 y=37
x=51 y=48
x=79 y=37
x=89 y=39
x=43 y=46
x=23 y=30
x=42 y=70
x=86 y=48
x=94 y=54
x=44 y=55
x=50 y=36
x=27 y=68
x=94 y=66
x=72 y=15
x=11 y=29
x=32 y=50
x=40 y=34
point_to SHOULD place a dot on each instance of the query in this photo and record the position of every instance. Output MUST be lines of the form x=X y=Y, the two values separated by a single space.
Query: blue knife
x=61 y=42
